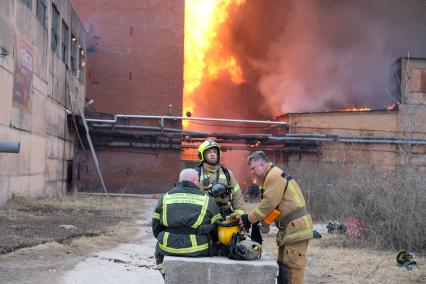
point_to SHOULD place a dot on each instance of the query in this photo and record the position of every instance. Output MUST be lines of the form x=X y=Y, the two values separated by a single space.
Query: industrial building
x=42 y=75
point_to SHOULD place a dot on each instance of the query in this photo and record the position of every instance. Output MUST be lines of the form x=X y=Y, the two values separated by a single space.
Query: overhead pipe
x=162 y=118
x=10 y=147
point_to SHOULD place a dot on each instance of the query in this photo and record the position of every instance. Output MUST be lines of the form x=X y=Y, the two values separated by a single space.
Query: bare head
x=258 y=161
x=189 y=175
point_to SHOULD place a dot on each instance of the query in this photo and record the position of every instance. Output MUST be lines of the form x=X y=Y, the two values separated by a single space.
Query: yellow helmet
x=225 y=232
x=207 y=145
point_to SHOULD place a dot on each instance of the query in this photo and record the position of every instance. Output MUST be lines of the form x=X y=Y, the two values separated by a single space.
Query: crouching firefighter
x=184 y=220
x=283 y=199
x=218 y=181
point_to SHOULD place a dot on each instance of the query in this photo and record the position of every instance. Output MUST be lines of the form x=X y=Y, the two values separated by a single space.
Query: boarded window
x=41 y=12
x=65 y=43
x=55 y=28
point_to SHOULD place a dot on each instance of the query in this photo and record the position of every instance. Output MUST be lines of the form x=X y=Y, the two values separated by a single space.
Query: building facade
x=135 y=66
x=42 y=74
x=369 y=147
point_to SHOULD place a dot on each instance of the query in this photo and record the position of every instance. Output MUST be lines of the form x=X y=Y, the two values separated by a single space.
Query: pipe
x=10 y=146
x=183 y=118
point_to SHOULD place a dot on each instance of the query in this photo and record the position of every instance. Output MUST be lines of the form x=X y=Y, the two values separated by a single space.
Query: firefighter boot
x=282 y=274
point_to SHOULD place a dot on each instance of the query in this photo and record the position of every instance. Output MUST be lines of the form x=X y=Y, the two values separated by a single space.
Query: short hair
x=188 y=175
x=257 y=156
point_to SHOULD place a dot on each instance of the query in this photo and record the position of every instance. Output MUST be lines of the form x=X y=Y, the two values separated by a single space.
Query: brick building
x=369 y=143
x=135 y=66
x=42 y=45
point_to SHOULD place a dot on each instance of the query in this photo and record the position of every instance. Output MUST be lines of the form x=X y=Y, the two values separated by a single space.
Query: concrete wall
x=135 y=66
x=40 y=123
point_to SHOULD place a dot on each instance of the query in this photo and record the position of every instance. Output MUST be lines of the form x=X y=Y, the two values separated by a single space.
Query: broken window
x=41 y=12
x=55 y=28
x=65 y=43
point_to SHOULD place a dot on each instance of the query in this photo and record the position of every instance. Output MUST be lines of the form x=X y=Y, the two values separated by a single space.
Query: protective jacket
x=284 y=193
x=183 y=220
x=210 y=174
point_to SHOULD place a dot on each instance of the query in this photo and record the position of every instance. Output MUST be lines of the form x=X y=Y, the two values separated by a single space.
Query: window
x=82 y=62
x=55 y=28
x=28 y=3
x=65 y=43
x=74 y=51
x=41 y=12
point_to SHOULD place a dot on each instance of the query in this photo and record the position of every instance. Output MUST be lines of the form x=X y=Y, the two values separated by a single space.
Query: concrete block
x=5 y=193
x=6 y=83
x=36 y=186
x=40 y=84
x=20 y=185
x=24 y=19
x=53 y=169
x=39 y=116
x=52 y=118
x=219 y=270
x=37 y=155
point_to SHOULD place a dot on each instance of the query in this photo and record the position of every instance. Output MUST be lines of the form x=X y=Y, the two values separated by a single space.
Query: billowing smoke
x=310 y=55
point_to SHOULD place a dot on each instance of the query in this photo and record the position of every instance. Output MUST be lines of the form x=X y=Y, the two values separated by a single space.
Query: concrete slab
x=131 y=263
x=219 y=270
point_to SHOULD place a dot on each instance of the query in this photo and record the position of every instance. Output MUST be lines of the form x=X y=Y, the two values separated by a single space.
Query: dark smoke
x=312 y=55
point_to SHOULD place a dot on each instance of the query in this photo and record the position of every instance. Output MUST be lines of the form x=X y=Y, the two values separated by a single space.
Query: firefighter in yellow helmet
x=218 y=180
x=282 y=192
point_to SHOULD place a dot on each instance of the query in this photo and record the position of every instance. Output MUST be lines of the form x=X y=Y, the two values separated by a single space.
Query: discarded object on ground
x=336 y=226
x=353 y=228
x=68 y=227
x=317 y=235
x=406 y=260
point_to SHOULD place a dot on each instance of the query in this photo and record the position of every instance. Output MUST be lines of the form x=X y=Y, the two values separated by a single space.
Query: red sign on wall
x=23 y=77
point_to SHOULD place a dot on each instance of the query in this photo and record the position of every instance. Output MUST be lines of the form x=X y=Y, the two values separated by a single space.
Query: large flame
x=202 y=20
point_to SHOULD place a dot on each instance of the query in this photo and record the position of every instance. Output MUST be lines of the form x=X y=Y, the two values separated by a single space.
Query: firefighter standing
x=211 y=172
x=184 y=220
x=294 y=222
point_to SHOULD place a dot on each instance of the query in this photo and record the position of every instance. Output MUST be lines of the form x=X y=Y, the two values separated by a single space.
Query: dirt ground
x=35 y=247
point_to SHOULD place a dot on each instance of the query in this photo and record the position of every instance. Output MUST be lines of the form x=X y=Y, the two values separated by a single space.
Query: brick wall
x=135 y=66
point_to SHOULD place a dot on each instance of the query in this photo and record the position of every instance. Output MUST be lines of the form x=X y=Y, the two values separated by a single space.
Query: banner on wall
x=23 y=77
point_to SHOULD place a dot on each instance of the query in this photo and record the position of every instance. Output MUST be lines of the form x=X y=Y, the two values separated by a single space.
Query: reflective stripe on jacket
x=185 y=206
x=288 y=202
x=237 y=197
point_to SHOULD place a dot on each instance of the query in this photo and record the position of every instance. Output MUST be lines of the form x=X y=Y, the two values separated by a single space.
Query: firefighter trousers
x=293 y=256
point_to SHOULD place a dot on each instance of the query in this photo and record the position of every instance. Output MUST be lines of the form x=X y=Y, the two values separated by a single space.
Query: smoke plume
x=310 y=55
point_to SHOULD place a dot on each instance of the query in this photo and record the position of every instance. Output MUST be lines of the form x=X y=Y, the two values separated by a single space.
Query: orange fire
x=205 y=57
x=356 y=109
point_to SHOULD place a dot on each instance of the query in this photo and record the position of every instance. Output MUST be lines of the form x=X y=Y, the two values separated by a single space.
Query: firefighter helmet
x=207 y=145
x=225 y=233
x=405 y=258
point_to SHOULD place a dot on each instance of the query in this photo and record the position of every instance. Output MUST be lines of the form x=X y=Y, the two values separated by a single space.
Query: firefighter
x=184 y=220
x=283 y=193
x=218 y=180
